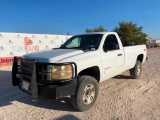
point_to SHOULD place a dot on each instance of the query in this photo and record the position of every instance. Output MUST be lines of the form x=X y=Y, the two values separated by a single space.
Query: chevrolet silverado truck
x=77 y=67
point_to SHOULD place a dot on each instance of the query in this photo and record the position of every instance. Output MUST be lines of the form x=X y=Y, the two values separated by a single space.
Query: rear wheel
x=136 y=71
x=86 y=93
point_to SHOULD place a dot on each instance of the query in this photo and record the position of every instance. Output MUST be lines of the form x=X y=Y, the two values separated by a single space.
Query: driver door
x=112 y=57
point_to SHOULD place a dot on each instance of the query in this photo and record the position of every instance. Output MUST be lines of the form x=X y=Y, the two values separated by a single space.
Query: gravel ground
x=120 y=98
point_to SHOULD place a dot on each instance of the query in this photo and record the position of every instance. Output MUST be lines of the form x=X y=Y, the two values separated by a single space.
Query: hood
x=53 y=56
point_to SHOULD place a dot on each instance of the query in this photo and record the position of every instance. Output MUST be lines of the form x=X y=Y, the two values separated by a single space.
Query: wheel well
x=140 y=57
x=92 y=71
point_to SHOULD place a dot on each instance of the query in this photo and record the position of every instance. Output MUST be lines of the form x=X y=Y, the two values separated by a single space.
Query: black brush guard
x=56 y=89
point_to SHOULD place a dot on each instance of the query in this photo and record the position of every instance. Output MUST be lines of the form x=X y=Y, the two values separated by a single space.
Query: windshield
x=85 y=42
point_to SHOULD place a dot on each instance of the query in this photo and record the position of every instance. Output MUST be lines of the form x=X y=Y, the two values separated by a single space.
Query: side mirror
x=110 y=46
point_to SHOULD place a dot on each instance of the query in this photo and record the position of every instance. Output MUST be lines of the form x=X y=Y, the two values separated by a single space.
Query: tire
x=86 y=93
x=136 y=71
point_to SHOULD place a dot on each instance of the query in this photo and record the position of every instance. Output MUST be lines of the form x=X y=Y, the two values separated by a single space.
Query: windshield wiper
x=70 y=48
x=85 y=49
x=62 y=47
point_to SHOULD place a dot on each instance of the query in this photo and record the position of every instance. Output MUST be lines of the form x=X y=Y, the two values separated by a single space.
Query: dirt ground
x=120 y=98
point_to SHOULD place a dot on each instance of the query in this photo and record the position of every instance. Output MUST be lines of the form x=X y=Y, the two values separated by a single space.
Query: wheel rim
x=88 y=94
x=138 y=69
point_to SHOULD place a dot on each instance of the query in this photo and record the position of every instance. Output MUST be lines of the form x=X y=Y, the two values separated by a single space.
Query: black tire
x=136 y=71
x=84 y=99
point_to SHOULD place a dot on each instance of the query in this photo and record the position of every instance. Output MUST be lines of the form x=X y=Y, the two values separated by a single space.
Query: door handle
x=119 y=55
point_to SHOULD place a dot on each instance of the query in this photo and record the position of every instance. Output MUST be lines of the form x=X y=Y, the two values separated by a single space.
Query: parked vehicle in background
x=157 y=45
x=77 y=67
x=150 y=46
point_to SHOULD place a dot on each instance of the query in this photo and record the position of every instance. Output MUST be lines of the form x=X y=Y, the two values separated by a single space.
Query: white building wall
x=157 y=41
x=18 y=44
x=153 y=42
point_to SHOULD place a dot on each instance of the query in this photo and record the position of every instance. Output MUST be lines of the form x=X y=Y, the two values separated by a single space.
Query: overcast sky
x=74 y=16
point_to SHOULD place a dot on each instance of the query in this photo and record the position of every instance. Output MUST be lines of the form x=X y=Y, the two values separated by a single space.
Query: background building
x=18 y=44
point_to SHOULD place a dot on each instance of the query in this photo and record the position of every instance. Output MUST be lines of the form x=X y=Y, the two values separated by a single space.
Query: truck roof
x=97 y=33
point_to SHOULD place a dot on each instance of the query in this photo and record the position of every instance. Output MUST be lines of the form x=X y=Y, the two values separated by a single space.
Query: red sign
x=6 y=61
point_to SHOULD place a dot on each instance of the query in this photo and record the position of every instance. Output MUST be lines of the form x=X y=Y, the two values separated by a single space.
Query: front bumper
x=49 y=91
x=38 y=89
x=56 y=92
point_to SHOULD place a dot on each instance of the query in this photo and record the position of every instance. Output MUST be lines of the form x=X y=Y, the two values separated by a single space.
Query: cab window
x=110 y=43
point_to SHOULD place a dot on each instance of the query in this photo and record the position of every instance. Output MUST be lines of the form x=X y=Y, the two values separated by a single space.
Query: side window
x=110 y=43
x=74 y=43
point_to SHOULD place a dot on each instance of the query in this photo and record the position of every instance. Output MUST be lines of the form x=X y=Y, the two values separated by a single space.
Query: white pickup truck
x=77 y=67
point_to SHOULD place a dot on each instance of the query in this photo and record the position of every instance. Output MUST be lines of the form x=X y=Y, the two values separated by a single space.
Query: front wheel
x=136 y=71
x=86 y=93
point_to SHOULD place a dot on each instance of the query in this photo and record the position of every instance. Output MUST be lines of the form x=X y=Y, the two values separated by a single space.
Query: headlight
x=60 y=72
